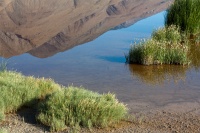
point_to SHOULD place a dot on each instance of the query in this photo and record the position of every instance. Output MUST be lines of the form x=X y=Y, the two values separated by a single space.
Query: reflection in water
x=158 y=74
x=194 y=55
x=46 y=27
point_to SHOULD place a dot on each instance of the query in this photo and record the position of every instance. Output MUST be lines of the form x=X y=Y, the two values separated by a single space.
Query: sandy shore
x=172 y=118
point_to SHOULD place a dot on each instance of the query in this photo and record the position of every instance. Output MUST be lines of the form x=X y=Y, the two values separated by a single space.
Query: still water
x=100 y=66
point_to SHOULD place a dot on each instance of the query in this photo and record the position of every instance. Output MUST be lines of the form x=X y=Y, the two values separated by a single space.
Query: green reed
x=185 y=14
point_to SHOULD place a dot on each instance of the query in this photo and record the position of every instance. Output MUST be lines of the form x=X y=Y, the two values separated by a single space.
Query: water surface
x=100 y=66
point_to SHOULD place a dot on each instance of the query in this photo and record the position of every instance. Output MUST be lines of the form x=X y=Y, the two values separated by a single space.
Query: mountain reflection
x=46 y=27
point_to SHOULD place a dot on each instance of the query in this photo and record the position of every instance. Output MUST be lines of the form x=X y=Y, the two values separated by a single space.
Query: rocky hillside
x=45 y=27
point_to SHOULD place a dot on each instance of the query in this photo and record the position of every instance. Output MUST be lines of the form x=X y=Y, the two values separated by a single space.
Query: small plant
x=139 y=119
x=185 y=14
x=76 y=106
x=166 y=46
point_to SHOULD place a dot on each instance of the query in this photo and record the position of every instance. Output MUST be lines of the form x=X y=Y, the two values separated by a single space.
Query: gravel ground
x=158 y=121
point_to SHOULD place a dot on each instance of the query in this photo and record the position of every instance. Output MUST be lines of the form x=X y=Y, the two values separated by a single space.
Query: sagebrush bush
x=167 y=46
x=185 y=14
x=76 y=106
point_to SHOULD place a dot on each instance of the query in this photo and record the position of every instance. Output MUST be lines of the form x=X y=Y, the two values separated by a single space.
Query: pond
x=100 y=66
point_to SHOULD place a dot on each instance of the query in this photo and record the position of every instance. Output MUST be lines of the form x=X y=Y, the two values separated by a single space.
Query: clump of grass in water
x=167 y=46
x=186 y=15
x=76 y=106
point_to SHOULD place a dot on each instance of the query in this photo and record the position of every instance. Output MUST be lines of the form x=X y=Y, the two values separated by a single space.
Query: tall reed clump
x=17 y=90
x=167 y=46
x=76 y=106
x=186 y=15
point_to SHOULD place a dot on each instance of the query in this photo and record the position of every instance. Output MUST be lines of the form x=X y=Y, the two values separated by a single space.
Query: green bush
x=76 y=106
x=185 y=14
x=165 y=47
x=17 y=90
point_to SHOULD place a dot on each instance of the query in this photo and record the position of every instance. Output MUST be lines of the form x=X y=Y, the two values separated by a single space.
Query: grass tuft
x=76 y=106
x=167 y=46
x=17 y=90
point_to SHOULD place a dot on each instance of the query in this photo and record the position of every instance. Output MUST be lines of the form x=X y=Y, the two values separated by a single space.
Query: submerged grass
x=59 y=106
x=167 y=46
x=185 y=14
x=76 y=106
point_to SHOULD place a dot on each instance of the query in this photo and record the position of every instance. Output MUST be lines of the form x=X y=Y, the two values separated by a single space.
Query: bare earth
x=172 y=118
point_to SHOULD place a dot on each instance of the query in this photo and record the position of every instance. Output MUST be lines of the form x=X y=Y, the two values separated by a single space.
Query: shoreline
x=172 y=118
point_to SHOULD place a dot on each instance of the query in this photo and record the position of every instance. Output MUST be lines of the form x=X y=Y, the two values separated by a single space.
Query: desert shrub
x=76 y=106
